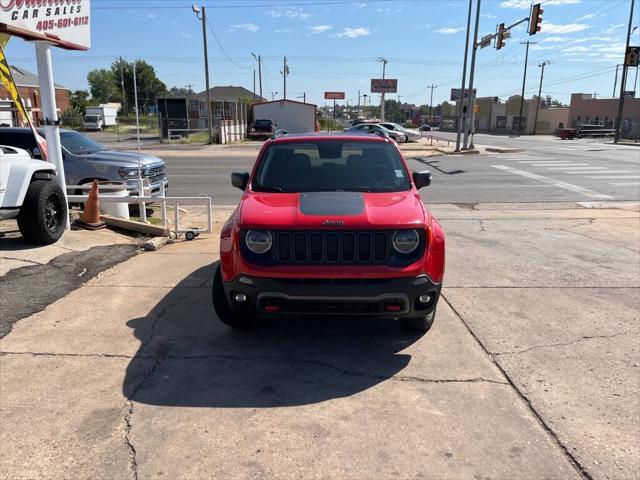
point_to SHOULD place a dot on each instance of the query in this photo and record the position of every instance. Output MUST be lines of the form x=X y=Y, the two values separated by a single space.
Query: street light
x=201 y=10
x=273 y=96
x=259 y=60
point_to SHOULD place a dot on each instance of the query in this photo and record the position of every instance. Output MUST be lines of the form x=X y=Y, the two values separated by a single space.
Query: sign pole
x=623 y=82
x=52 y=129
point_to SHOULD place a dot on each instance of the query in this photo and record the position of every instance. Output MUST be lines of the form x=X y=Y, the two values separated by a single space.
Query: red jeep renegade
x=330 y=224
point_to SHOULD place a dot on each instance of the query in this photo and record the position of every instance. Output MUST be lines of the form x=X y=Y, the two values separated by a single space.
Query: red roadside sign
x=334 y=95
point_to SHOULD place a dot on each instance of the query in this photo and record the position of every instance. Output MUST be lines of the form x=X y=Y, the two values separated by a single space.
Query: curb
x=504 y=150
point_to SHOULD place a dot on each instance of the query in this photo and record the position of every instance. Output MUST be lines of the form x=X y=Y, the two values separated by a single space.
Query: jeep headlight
x=406 y=241
x=258 y=241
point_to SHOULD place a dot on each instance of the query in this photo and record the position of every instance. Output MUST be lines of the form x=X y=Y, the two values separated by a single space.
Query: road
x=550 y=170
x=530 y=370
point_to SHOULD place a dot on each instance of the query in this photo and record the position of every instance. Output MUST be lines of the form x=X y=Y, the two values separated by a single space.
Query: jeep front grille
x=331 y=247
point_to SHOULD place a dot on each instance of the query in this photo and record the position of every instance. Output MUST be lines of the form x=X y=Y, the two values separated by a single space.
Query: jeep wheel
x=221 y=305
x=43 y=215
x=422 y=323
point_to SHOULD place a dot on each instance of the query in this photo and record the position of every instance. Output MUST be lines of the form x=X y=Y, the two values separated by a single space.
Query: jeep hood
x=327 y=210
x=125 y=159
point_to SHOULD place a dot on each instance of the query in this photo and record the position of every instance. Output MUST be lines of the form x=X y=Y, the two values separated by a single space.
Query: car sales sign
x=334 y=95
x=65 y=23
x=384 y=85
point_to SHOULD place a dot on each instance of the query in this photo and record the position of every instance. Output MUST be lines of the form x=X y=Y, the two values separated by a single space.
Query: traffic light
x=501 y=37
x=632 y=56
x=535 y=19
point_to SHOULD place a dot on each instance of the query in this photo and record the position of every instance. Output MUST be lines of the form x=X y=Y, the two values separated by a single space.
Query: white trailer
x=289 y=115
x=96 y=118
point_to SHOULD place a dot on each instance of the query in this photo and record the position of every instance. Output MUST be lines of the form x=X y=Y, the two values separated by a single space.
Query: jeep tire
x=422 y=323
x=221 y=305
x=43 y=215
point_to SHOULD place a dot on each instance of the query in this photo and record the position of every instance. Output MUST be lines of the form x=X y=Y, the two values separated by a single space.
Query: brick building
x=29 y=90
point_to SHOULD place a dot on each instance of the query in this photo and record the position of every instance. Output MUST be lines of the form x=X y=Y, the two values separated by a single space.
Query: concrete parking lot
x=531 y=370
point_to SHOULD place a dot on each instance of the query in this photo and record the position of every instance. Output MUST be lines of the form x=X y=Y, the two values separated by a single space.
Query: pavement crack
x=342 y=370
x=571 y=458
x=33 y=262
x=564 y=344
x=72 y=355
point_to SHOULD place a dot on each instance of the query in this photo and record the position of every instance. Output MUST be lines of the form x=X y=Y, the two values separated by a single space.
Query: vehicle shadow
x=189 y=358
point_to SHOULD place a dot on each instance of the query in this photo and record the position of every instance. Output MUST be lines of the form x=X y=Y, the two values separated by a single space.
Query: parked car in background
x=330 y=225
x=378 y=129
x=411 y=134
x=261 y=129
x=85 y=159
x=424 y=128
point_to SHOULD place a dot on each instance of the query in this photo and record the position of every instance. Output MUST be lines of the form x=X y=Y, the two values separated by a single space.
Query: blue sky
x=333 y=45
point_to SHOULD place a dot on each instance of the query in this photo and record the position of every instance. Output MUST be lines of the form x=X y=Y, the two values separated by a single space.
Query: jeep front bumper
x=388 y=297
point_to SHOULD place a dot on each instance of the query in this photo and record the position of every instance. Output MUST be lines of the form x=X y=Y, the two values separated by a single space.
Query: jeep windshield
x=79 y=144
x=331 y=166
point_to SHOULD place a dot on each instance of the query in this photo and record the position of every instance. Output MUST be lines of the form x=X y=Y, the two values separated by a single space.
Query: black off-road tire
x=221 y=305
x=422 y=323
x=43 y=215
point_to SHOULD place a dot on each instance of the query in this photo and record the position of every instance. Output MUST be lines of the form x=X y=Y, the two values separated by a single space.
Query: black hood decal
x=331 y=203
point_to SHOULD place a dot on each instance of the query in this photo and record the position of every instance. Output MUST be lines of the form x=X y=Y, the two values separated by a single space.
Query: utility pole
x=524 y=81
x=198 y=10
x=535 y=122
x=358 y=114
x=471 y=101
x=254 y=84
x=124 y=97
x=284 y=73
x=384 y=69
x=615 y=81
x=432 y=86
x=623 y=83
x=464 y=78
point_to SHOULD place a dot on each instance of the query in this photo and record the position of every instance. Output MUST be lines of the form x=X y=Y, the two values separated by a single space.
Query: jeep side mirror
x=422 y=179
x=240 y=180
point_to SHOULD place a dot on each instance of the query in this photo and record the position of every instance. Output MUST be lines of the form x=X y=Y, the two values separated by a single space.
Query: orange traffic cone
x=90 y=218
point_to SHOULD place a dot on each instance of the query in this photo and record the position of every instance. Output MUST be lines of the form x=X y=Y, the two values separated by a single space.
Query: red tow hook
x=392 y=307
x=271 y=307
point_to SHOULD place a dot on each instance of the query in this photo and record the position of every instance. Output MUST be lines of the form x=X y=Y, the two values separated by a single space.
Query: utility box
x=289 y=115
x=96 y=118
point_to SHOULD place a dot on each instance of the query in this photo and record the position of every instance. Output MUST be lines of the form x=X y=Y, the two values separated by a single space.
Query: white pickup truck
x=28 y=192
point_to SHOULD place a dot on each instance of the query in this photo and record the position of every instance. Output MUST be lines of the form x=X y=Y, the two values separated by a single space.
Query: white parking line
x=625 y=183
x=573 y=167
x=614 y=177
x=551 y=162
x=604 y=172
x=554 y=182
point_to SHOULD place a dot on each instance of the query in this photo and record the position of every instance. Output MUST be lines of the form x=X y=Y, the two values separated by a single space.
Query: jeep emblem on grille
x=333 y=223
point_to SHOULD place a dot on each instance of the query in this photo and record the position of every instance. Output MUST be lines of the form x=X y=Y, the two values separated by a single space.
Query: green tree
x=79 y=99
x=180 y=91
x=102 y=86
x=148 y=85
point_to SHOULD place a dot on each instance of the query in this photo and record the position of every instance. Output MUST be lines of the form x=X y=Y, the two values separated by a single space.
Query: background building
x=587 y=110
x=29 y=90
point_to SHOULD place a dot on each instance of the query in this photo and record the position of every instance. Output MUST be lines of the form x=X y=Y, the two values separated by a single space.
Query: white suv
x=28 y=193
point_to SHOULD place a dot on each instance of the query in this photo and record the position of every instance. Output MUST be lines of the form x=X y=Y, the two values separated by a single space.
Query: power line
x=223 y=50
x=234 y=6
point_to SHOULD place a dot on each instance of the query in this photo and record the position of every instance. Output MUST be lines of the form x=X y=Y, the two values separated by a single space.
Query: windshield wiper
x=268 y=189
